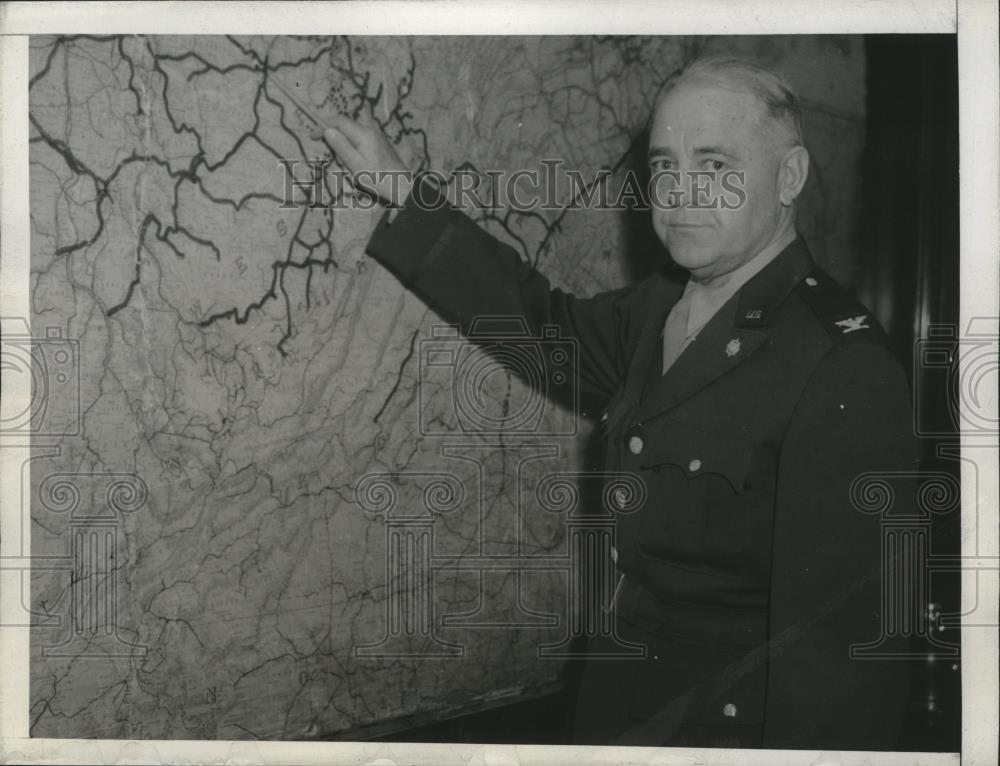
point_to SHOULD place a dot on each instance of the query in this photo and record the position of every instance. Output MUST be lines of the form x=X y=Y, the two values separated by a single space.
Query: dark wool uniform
x=748 y=573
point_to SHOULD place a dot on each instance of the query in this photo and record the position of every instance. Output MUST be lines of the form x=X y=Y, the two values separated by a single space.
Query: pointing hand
x=364 y=149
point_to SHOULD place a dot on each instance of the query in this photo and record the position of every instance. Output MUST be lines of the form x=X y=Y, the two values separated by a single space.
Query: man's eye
x=659 y=165
x=715 y=165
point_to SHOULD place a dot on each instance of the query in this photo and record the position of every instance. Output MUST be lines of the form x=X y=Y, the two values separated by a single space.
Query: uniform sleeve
x=462 y=272
x=853 y=417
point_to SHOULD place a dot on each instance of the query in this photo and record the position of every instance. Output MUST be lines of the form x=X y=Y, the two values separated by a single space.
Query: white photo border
x=976 y=24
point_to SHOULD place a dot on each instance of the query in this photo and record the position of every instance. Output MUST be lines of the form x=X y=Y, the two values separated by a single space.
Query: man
x=748 y=400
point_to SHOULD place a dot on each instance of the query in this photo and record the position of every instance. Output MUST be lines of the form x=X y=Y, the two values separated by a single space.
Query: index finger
x=343 y=147
x=352 y=130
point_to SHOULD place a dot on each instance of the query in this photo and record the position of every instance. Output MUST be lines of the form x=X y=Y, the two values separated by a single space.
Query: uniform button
x=694 y=465
x=635 y=444
x=614 y=554
x=729 y=711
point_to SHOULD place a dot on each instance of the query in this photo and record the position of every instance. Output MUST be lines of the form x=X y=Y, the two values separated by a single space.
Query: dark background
x=907 y=272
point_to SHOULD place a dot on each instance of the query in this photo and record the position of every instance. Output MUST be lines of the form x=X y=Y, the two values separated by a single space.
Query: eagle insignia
x=853 y=323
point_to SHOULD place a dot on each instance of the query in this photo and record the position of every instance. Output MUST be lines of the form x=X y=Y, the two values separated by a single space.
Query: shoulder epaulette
x=839 y=312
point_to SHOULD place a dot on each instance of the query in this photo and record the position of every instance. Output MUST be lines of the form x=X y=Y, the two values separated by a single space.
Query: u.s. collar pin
x=733 y=347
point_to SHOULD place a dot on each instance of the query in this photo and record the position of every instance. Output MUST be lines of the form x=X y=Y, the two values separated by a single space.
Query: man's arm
x=854 y=417
x=463 y=273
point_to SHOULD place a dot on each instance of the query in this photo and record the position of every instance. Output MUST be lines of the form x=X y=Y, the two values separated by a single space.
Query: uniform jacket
x=748 y=573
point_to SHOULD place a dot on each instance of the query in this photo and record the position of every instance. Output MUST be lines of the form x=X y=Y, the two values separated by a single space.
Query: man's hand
x=364 y=150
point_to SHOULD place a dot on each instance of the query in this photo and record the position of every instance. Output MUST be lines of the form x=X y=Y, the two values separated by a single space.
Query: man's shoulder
x=838 y=339
x=834 y=313
x=831 y=338
x=651 y=293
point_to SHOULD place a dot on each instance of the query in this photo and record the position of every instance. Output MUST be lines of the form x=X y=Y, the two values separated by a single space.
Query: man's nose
x=700 y=190
x=669 y=192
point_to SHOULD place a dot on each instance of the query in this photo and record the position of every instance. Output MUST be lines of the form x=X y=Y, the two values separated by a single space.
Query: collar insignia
x=733 y=347
x=853 y=323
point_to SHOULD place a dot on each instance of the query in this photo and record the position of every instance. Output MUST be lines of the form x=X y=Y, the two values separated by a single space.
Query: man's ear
x=793 y=171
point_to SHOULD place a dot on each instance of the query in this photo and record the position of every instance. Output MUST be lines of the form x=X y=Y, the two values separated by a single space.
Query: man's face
x=703 y=127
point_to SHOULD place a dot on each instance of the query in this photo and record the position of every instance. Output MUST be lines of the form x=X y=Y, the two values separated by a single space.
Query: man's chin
x=691 y=259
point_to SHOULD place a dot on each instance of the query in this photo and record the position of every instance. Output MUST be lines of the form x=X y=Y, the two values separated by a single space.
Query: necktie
x=675 y=335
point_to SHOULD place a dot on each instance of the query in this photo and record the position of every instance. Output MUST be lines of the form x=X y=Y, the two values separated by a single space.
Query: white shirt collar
x=704 y=300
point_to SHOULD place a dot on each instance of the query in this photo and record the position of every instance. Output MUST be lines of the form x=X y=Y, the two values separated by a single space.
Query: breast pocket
x=702 y=512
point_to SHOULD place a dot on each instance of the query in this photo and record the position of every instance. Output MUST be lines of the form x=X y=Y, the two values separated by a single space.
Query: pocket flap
x=697 y=451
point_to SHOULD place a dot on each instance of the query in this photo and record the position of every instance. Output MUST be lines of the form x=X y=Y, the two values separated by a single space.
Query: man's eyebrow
x=661 y=151
x=717 y=150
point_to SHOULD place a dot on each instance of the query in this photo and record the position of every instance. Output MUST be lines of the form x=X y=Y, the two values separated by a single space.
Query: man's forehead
x=709 y=100
x=711 y=112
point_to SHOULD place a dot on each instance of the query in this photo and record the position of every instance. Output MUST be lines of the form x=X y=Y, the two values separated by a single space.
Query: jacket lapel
x=662 y=299
x=731 y=337
x=717 y=349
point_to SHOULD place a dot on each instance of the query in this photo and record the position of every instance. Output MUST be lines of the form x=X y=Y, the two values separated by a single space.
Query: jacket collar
x=736 y=331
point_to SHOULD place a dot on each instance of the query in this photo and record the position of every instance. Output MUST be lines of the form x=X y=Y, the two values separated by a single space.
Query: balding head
x=780 y=103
